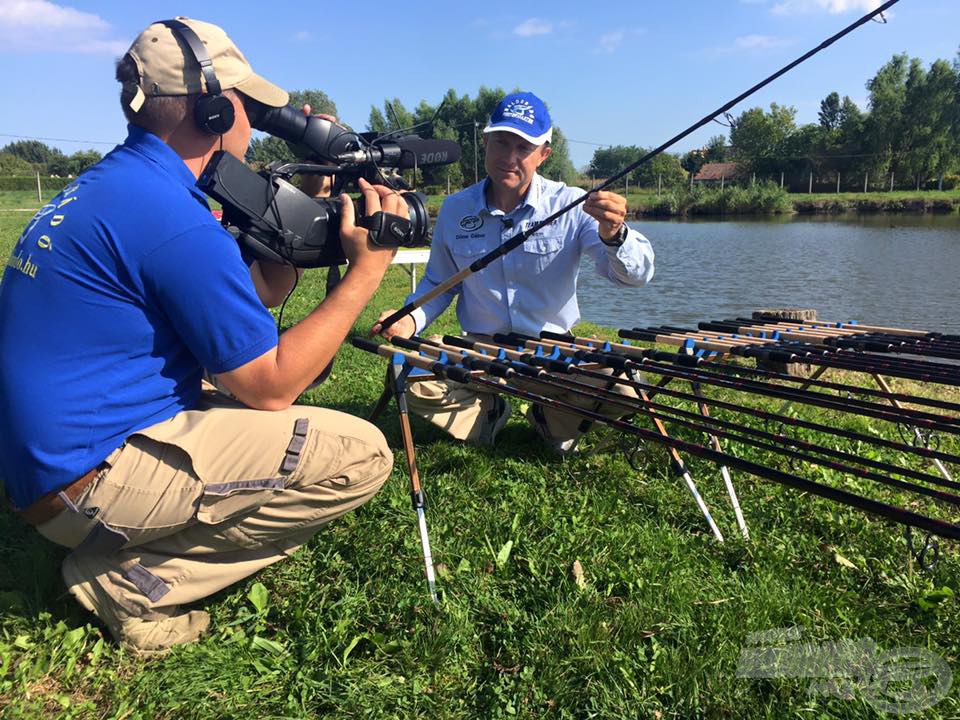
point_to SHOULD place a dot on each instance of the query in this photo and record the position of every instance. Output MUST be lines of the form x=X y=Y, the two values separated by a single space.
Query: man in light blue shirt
x=530 y=289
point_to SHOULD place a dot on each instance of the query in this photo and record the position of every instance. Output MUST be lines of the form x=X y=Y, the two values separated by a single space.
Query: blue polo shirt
x=117 y=294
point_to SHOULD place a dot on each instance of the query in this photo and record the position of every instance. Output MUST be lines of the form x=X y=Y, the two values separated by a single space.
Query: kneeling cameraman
x=117 y=295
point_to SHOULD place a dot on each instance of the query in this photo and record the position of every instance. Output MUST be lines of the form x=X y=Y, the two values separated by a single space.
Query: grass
x=654 y=628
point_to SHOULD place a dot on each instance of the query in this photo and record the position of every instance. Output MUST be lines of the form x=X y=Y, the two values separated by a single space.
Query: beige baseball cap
x=167 y=66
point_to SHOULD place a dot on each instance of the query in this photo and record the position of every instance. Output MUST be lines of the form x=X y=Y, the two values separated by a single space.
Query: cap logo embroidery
x=520 y=110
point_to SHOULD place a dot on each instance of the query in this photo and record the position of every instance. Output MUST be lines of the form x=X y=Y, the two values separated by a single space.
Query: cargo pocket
x=226 y=500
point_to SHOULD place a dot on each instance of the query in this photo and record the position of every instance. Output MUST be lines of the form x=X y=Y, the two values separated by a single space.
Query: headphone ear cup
x=214 y=114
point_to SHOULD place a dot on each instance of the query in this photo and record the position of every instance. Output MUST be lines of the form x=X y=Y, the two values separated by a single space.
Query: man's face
x=511 y=161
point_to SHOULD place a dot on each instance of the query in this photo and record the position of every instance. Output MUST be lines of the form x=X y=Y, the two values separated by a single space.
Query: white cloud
x=533 y=26
x=834 y=7
x=42 y=26
x=608 y=43
x=751 y=43
x=759 y=42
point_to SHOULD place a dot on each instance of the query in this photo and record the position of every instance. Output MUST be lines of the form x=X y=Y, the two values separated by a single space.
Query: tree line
x=909 y=136
x=25 y=158
x=460 y=118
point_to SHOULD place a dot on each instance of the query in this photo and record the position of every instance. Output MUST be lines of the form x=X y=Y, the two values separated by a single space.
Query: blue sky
x=633 y=73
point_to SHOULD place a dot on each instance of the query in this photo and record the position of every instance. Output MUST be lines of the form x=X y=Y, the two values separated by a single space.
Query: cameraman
x=116 y=296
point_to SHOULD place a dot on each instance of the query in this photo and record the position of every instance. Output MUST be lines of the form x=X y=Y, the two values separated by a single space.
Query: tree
x=760 y=138
x=33 y=151
x=83 y=159
x=559 y=166
x=830 y=111
x=608 y=161
x=884 y=125
x=715 y=150
x=11 y=164
x=663 y=169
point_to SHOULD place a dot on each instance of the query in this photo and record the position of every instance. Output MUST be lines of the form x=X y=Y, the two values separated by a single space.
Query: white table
x=409 y=258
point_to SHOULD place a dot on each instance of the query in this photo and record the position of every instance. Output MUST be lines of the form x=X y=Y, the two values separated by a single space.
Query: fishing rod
x=518 y=239
x=552 y=373
x=462 y=375
x=929 y=421
x=768 y=350
x=478 y=361
x=856 y=327
x=818 y=345
x=619 y=364
x=729 y=368
x=894 y=398
x=869 y=342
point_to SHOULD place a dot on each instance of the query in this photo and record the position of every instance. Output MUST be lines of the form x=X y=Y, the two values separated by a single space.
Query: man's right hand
x=404 y=327
x=362 y=254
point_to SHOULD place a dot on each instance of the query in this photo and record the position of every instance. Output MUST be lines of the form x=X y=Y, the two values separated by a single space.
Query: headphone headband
x=213 y=113
x=199 y=51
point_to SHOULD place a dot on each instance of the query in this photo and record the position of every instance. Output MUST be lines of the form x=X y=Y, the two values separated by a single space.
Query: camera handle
x=386 y=229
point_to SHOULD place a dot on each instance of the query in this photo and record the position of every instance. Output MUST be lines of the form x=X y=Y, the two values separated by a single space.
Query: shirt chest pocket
x=540 y=250
x=468 y=250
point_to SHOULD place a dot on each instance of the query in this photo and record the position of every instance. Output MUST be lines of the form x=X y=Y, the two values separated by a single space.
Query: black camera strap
x=386 y=229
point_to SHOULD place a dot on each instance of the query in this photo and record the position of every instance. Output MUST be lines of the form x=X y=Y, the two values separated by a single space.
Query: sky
x=618 y=73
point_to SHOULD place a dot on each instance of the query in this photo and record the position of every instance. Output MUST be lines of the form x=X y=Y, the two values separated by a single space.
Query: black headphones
x=213 y=113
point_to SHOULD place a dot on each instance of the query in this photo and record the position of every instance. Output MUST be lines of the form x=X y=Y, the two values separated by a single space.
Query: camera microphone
x=405 y=153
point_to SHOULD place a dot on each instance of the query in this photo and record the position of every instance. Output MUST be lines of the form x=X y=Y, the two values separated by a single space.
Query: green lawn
x=654 y=628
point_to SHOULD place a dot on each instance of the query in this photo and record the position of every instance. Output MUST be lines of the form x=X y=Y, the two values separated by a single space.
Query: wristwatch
x=618 y=239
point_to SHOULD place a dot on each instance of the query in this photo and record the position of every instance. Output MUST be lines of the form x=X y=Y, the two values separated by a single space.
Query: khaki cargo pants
x=191 y=505
x=461 y=410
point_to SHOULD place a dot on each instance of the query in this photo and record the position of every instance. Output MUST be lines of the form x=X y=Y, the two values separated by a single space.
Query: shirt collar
x=531 y=200
x=153 y=148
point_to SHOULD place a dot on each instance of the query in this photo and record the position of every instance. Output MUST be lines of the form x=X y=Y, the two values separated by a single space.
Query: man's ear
x=545 y=150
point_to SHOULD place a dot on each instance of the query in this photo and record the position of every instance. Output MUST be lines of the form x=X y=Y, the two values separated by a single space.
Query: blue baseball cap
x=522 y=114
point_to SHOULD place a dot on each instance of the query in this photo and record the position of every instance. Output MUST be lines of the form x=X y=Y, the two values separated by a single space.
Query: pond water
x=894 y=270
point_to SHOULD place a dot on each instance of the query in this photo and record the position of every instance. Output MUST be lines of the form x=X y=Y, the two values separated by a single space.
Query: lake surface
x=895 y=270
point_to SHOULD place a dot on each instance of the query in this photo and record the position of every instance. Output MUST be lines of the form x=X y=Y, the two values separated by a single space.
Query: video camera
x=275 y=221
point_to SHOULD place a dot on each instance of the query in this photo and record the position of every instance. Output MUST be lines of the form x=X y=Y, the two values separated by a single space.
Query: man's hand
x=609 y=210
x=317 y=186
x=362 y=254
x=404 y=327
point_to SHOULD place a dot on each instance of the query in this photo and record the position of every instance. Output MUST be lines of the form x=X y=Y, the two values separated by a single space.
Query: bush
x=30 y=183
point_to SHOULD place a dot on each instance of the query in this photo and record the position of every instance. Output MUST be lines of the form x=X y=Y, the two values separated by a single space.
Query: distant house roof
x=715 y=171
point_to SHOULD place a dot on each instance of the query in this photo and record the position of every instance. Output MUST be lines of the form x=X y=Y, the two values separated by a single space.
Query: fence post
x=753 y=179
x=39 y=196
x=781 y=180
x=838 y=182
x=810 y=187
x=866 y=175
x=659 y=178
x=891 y=182
x=721 y=183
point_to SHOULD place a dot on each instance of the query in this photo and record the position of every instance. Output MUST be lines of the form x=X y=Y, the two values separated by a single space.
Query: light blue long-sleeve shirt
x=534 y=287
